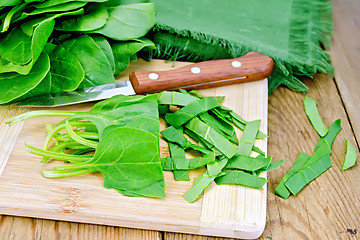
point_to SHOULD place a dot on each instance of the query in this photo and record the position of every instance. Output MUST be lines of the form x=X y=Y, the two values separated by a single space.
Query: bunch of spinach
x=119 y=137
x=61 y=45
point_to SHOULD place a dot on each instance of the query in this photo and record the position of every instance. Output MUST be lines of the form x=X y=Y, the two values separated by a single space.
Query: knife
x=250 y=67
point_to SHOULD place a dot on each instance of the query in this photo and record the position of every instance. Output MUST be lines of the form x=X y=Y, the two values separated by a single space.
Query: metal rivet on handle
x=195 y=70
x=153 y=76
x=236 y=64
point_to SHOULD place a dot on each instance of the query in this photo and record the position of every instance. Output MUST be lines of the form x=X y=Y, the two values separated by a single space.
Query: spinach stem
x=77 y=138
x=59 y=156
x=60 y=174
x=40 y=113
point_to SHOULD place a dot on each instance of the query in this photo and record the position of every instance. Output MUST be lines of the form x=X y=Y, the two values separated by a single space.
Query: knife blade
x=250 y=67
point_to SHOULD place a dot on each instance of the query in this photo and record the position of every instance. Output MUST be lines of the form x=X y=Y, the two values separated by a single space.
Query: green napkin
x=289 y=31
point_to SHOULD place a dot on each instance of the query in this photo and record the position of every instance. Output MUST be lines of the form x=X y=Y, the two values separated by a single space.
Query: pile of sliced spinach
x=61 y=45
x=119 y=137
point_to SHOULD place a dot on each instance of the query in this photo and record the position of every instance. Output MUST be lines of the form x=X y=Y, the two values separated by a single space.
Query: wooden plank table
x=328 y=208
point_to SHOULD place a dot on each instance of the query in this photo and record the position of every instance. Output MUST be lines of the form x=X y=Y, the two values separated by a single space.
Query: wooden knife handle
x=250 y=67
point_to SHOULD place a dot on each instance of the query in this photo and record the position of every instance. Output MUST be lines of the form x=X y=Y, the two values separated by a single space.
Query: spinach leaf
x=123 y=52
x=124 y=167
x=65 y=74
x=29 y=26
x=106 y=48
x=18 y=52
x=66 y=71
x=57 y=8
x=130 y=21
x=10 y=2
x=120 y=116
x=50 y=3
x=24 y=51
x=14 y=85
x=96 y=15
x=93 y=60
x=15 y=10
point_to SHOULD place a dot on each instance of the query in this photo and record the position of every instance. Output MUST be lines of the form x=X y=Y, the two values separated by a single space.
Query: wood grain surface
x=326 y=209
x=345 y=52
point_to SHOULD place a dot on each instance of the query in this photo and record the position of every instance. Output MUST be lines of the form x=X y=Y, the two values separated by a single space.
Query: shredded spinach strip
x=350 y=156
x=314 y=116
x=318 y=163
x=299 y=164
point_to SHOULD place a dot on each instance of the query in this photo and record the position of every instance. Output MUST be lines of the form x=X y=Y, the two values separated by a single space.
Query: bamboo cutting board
x=226 y=210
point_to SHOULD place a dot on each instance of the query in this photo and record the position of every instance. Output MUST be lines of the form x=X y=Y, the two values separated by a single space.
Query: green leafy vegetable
x=95 y=17
x=68 y=31
x=314 y=116
x=125 y=51
x=14 y=85
x=350 y=156
x=130 y=21
x=93 y=60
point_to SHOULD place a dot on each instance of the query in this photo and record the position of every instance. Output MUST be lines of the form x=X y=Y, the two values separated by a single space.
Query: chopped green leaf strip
x=333 y=131
x=321 y=152
x=190 y=111
x=241 y=178
x=206 y=132
x=248 y=138
x=214 y=169
x=222 y=127
x=350 y=156
x=181 y=175
x=168 y=164
x=272 y=166
x=305 y=176
x=199 y=185
x=314 y=116
x=180 y=162
x=248 y=163
x=299 y=164
x=175 y=98
x=318 y=163
x=175 y=135
x=258 y=150
x=241 y=123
